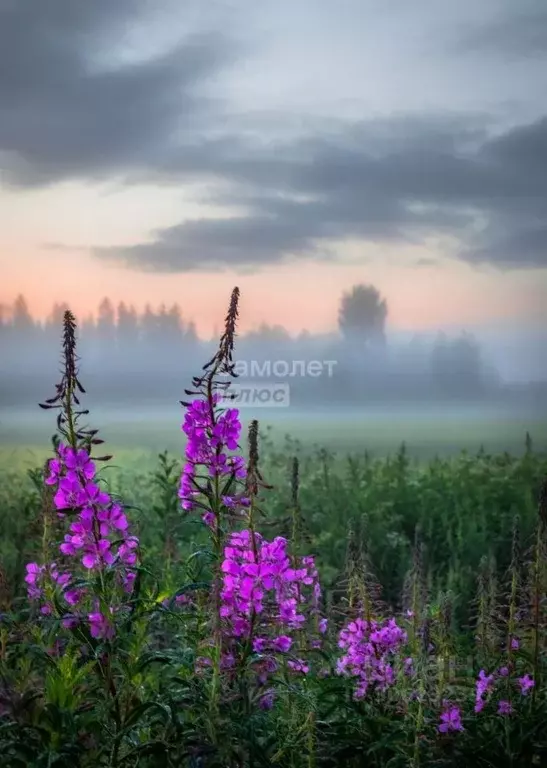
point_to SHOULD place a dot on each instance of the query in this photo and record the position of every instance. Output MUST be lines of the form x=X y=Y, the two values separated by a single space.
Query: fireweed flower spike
x=211 y=476
x=98 y=534
x=264 y=600
x=262 y=597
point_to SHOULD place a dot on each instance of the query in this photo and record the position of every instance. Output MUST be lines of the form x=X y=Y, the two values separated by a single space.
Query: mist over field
x=438 y=391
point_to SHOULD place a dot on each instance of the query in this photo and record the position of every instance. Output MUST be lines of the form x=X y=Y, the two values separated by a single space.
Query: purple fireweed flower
x=450 y=719
x=34 y=572
x=72 y=544
x=369 y=649
x=483 y=687
x=298 y=665
x=127 y=551
x=55 y=471
x=70 y=494
x=112 y=520
x=98 y=554
x=526 y=683
x=503 y=671
x=99 y=517
x=265 y=598
x=74 y=596
x=92 y=495
x=209 y=519
x=79 y=462
x=227 y=661
x=515 y=644
x=282 y=643
x=504 y=707
x=209 y=436
x=267 y=699
x=100 y=626
x=70 y=621
x=259 y=644
x=99 y=524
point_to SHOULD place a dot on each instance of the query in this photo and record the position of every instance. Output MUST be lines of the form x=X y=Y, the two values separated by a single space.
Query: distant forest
x=151 y=356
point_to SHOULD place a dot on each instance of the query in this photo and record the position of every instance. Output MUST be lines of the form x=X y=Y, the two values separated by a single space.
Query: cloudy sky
x=165 y=151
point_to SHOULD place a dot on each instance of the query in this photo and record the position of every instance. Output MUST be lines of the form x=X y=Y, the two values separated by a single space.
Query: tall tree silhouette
x=457 y=366
x=362 y=315
x=174 y=323
x=106 y=326
x=127 y=328
x=149 y=325
x=190 y=334
x=21 y=319
x=55 y=319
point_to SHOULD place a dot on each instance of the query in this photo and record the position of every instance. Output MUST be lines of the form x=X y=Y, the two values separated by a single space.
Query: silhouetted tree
x=171 y=324
x=127 y=328
x=148 y=325
x=4 y=315
x=362 y=315
x=21 y=319
x=269 y=334
x=191 y=334
x=54 y=321
x=457 y=366
x=106 y=326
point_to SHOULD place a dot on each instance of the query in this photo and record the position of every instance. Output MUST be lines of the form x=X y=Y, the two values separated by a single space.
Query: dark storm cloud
x=517 y=30
x=396 y=183
x=65 y=114
x=63 y=117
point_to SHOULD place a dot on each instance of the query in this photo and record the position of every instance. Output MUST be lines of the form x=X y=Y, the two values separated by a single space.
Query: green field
x=138 y=437
x=441 y=527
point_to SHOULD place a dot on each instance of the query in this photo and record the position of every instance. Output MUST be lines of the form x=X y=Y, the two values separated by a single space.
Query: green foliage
x=439 y=538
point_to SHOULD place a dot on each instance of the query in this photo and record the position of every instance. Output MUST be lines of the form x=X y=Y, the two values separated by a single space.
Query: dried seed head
x=222 y=362
x=515 y=542
x=542 y=505
x=254 y=479
x=295 y=481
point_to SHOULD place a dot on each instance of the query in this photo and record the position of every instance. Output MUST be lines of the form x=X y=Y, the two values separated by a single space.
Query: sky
x=157 y=151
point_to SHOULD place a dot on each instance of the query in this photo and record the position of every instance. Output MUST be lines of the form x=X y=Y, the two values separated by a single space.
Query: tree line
x=151 y=352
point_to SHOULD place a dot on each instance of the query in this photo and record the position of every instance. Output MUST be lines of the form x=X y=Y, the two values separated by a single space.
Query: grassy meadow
x=320 y=590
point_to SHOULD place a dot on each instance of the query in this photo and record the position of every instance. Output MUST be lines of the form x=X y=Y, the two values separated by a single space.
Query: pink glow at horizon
x=301 y=295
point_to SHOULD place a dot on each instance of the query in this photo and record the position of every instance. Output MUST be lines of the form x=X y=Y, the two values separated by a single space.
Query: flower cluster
x=38 y=579
x=98 y=536
x=370 y=650
x=485 y=686
x=265 y=599
x=99 y=520
x=209 y=437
